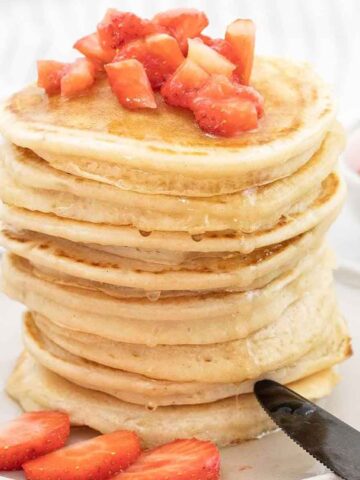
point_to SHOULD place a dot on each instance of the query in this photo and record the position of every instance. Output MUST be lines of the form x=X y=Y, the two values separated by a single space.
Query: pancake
x=225 y=422
x=241 y=272
x=141 y=390
x=299 y=329
x=164 y=151
x=29 y=182
x=327 y=205
x=213 y=318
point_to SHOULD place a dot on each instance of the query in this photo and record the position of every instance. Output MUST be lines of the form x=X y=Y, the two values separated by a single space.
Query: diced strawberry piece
x=166 y=48
x=118 y=28
x=182 y=23
x=79 y=77
x=50 y=74
x=90 y=47
x=160 y=54
x=180 y=89
x=129 y=82
x=226 y=108
x=98 y=459
x=31 y=435
x=241 y=36
x=208 y=59
x=221 y=46
x=179 y=460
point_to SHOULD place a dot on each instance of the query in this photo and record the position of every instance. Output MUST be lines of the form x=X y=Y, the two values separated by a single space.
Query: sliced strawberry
x=50 y=74
x=182 y=23
x=90 y=47
x=222 y=107
x=130 y=84
x=160 y=54
x=118 y=28
x=79 y=77
x=208 y=59
x=221 y=46
x=241 y=35
x=180 y=89
x=178 y=460
x=31 y=435
x=97 y=459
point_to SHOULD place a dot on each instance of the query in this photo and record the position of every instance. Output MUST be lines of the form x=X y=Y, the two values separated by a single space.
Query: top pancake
x=164 y=151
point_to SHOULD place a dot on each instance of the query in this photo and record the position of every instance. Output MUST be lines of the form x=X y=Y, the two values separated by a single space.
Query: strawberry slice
x=79 y=77
x=118 y=28
x=130 y=84
x=241 y=36
x=182 y=23
x=178 y=460
x=90 y=46
x=160 y=54
x=227 y=108
x=50 y=74
x=180 y=89
x=208 y=59
x=31 y=435
x=97 y=459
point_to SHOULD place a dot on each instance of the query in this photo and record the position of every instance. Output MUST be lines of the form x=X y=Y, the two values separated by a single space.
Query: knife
x=331 y=441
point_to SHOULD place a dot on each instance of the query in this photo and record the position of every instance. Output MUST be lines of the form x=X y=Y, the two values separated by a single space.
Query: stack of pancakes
x=164 y=270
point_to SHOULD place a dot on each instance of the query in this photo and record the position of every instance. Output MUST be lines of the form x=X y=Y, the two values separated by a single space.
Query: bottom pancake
x=225 y=422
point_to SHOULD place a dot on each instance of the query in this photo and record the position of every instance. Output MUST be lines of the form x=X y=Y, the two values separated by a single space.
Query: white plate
x=273 y=457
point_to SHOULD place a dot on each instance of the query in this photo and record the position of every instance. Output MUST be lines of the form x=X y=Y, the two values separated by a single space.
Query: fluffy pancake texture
x=29 y=181
x=225 y=422
x=165 y=271
x=143 y=390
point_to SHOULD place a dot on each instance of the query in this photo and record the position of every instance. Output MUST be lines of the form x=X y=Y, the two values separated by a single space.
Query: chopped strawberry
x=118 y=28
x=31 y=435
x=98 y=459
x=221 y=46
x=208 y=59
x=159 y=53
x=50 y=74
x=180 y=89
x=241 y=36
x=130 y=84
x=222 y=107
x=90 y=47
x=178 y=460
x=182 y=23
x=79 y=77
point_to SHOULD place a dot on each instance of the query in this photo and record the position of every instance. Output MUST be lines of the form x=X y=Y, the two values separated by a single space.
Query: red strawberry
x=79 y=77
x=221 y=46
x=130 y=84
x=222 y=107
x=178 y=460
x=50 y=74
x=241 y=36
x=31 y=435
x=182 y=23
x=207 y=58
x=90 y=47
x=95 y=459
x=180 y=89
x=118 y=28
x=160 y=54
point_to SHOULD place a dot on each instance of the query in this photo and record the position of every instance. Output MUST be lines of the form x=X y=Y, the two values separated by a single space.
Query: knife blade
x=328 y=439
